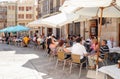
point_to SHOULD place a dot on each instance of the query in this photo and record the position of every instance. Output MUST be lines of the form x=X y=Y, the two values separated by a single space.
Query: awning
x=34 y=23
x=54 y=21
x=92 y=8
x=59 y=19
x=70 y=6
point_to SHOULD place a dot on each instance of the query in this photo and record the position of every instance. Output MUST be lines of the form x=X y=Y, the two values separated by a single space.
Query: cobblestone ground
x=28 y=63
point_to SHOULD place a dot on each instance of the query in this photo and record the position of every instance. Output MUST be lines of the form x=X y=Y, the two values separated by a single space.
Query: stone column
x=66 y=31
x=46 y=31
x=87 y=29
x=82 y=29
x=54 y=31
x=41 y=30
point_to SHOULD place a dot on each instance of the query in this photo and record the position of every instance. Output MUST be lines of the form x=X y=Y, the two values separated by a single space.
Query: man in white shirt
x=79 y=49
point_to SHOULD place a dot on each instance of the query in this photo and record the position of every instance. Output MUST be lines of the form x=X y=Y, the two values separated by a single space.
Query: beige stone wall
x=108 y=30
x=11 y=14
x=48 y=14
x=111 y=30
x=3 y=14
x=33 y=11
x=82 y=28
x=87 y=29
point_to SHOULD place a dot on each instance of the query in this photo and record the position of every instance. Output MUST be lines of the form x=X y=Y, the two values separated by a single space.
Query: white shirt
x=78 y=49
x=109 y=43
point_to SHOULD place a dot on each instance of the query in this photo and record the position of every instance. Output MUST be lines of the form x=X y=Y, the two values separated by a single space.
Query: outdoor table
x=18 y=41
x=115 y=49
x=69 y=48
x=111 y=70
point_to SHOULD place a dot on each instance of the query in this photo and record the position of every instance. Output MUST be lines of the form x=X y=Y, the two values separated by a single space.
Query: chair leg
x=64 y=64
x=56 y=64
x=86 y=65
x=106 y=62
x=103 y=63
x=50 y=57
x=97 y=69
x=70 y=67
x=80 y=70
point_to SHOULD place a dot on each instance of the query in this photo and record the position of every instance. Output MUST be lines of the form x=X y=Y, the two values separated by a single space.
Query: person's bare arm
x=66 y=50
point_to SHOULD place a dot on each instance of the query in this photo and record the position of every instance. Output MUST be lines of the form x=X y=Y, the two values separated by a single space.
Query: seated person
x=79 y=49
x=61 y=48
x=52 y=46
x=103 y=49
x=94 y=46
x=92 y=58
x=26 y=41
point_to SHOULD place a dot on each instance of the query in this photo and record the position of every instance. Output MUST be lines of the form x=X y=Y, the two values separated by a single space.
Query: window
x=9 y=7
x=51 y=6
x=37 y=17
x=21 y=23
x=21 y=8
x=57 y=5
x=28 y=8
x=45 y=7
x=21 y=16
x=74 y=28
x=13 y=7
x=28 y=16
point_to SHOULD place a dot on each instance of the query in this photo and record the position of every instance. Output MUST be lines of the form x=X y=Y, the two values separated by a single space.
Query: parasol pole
x=99 y=35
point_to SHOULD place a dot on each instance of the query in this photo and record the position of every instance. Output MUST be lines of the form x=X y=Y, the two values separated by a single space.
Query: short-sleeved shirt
x=78 y=49
x=103 y=49
x=26 y=40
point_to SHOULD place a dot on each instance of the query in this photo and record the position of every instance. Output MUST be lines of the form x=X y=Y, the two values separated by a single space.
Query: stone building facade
x=47 y=8
x=88 y=28
x=3 y=14
x=26 y=11
x=11 y=14
x=110 y=29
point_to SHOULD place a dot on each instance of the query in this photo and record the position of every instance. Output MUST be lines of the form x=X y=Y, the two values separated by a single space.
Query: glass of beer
x=118 y=63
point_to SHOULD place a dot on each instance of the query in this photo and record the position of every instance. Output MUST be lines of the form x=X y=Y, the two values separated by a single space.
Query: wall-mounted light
x=108 y=20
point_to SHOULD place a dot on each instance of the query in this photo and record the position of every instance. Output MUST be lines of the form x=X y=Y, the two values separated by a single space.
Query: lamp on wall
x=108 y=20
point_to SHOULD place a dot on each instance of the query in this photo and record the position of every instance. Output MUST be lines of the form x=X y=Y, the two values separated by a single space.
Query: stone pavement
x=29 y=63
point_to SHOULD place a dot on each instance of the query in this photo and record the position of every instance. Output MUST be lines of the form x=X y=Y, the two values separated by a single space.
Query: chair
x=104 y=60
x=61 y=57
x=76 y=60
x=52 y=54
x=46 y=47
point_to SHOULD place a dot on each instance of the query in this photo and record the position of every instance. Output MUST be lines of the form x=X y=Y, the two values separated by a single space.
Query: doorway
x=93 y=28
x=49 y=30
x=58 y=32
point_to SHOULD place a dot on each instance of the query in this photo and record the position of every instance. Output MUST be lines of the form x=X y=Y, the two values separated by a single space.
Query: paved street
x=29 y=63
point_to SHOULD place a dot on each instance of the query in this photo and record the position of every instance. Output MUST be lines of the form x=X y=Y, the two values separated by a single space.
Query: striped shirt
x=103 y=49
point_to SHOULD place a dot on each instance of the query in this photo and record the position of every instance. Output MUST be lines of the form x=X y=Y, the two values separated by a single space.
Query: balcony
x=56 y=9
x=43 y=14
x=51 y=10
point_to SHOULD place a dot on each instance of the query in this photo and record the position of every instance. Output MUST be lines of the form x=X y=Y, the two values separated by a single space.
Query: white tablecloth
x=112 y=71
x=69 y=48
x=115 y=49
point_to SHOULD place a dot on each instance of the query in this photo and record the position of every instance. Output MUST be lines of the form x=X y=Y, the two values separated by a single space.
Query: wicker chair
x=76 y=60
x=104 y=60
x=61 y=57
